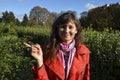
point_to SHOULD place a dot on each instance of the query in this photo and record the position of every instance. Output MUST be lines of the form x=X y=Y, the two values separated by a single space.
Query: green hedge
x=105 y=54
x=16 y=62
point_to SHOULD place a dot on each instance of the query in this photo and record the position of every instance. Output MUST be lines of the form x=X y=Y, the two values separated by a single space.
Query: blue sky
x=20 y=7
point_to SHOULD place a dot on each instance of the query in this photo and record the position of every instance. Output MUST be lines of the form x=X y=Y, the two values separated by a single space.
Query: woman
x=65 y=57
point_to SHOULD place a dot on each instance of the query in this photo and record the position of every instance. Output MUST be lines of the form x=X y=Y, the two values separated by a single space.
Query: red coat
x=80 y=68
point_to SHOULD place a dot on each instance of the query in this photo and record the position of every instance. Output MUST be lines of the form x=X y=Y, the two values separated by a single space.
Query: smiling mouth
x=66 y=35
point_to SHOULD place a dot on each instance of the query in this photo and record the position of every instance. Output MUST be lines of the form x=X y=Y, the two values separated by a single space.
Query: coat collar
x=82 y=49
x=57 y=65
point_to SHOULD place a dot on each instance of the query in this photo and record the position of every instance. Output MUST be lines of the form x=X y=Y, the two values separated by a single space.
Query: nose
x=66 y=29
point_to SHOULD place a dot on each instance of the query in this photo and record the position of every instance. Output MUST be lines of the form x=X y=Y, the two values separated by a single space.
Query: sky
x=21 y=7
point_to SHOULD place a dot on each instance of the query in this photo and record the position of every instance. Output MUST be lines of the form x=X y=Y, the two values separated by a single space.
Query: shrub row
x=16 y=62
x=105 y=54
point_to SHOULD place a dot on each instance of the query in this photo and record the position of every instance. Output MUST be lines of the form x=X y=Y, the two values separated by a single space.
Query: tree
x=39 y=14
x=33 y=22
x=114 y=11
x=12 y=17
x=8 y=17
x=17 y=22
x=84 y=14
x=0 y=19
x=106 y=16
x=25 y=21
x=51 y=18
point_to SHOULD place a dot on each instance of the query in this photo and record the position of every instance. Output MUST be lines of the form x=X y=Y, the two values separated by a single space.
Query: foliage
x=8 y=17
x=39 y=14
x=16 y=62
x=25 y=21
x=105 y=54
x=106 y=16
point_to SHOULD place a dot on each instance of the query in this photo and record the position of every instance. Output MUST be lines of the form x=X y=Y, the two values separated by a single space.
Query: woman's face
x=67 y=32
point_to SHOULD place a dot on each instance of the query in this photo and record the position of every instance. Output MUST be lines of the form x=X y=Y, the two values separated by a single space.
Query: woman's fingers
x=36 y=52
x=30 y=46
x=35 y=48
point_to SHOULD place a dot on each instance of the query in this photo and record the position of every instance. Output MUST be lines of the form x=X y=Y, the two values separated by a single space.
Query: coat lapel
x=78 y=65
x=57 y=67
x=79 y=61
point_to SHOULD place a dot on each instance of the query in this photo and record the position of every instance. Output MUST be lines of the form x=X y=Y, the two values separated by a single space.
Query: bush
x=105 y=54
x=16 y=62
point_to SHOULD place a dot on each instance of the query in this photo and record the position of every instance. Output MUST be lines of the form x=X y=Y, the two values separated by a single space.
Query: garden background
x=101 y=31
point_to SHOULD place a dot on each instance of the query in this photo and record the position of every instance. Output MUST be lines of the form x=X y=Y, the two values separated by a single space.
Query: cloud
x=90 y=6
x=19 y=16
x=0 y=14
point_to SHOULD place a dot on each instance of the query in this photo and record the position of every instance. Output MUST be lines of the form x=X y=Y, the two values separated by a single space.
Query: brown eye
x=70 y=27
x=62 y=26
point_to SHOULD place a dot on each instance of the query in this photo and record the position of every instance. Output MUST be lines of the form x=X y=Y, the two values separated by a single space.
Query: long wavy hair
x=51 y=48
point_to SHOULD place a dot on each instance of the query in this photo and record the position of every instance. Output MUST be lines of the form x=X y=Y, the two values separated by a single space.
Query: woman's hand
x=36 y=52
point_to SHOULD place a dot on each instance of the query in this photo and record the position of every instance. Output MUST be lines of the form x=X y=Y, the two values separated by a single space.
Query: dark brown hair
x=53 y=44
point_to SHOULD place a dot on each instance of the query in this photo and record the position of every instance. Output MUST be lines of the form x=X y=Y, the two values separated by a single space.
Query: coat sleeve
x=87 y=69
x=87 y=72
x=40 y=74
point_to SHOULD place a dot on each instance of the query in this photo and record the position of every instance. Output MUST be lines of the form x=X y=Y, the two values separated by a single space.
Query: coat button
x=82 y=73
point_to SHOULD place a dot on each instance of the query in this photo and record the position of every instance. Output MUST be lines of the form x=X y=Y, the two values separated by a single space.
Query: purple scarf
x=64 y=47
